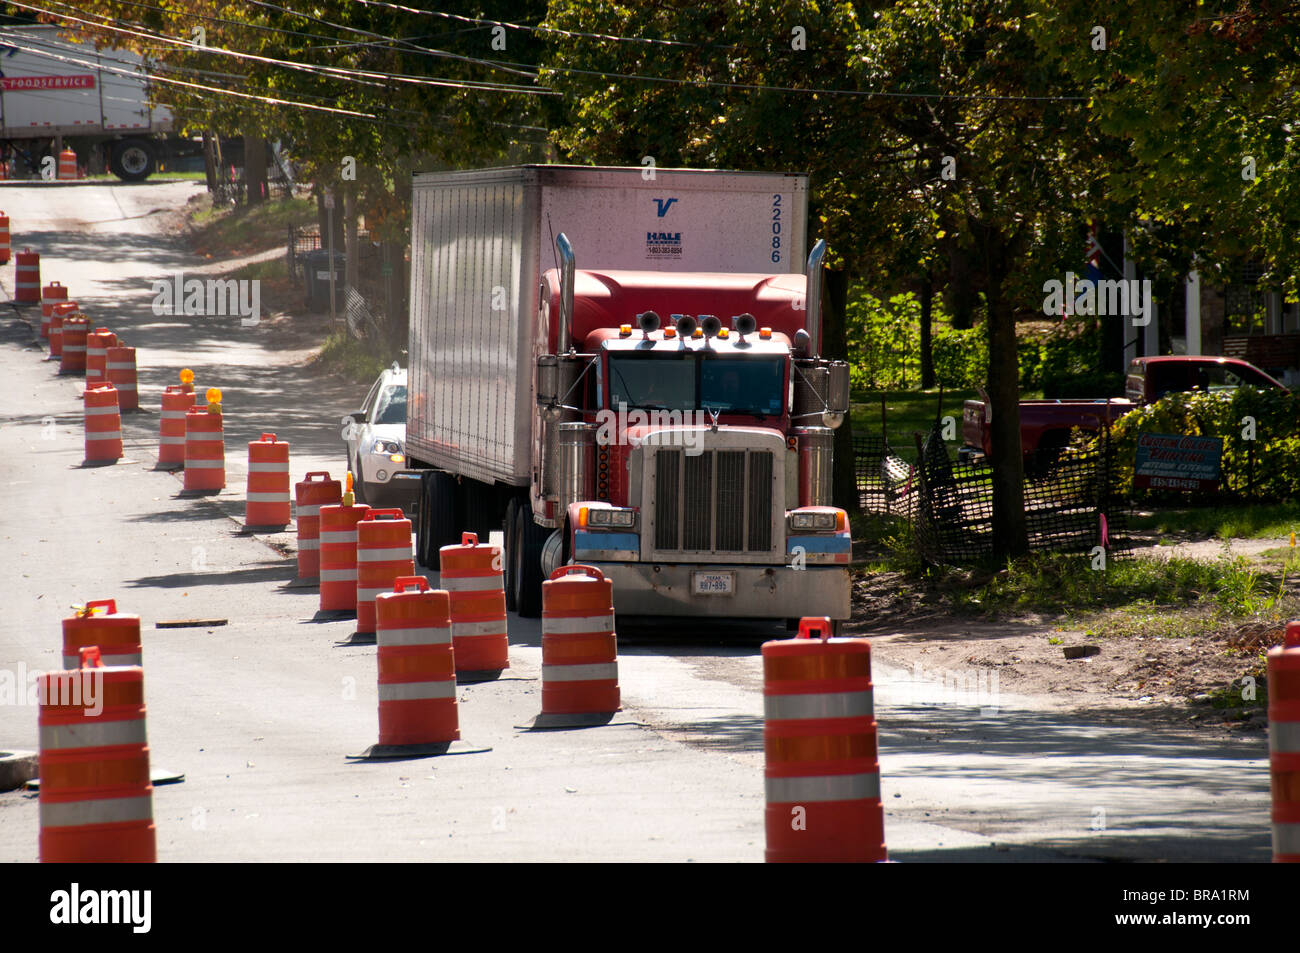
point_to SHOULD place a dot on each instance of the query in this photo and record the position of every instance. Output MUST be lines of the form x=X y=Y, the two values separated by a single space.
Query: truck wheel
x=132 y=160
x=438 y=504
x=508 y=538
x=480 y=508
x=529 y=540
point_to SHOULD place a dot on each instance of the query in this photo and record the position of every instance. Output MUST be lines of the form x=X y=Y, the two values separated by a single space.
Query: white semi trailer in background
x=54 y=88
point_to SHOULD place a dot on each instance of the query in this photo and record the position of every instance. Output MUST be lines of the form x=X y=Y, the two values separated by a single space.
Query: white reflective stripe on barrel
x=305 y=509
x=1286 y=838
x=818 y=705
x=93 y=734
x=170 y=438
x=1284 y=737
x=392 y=554
x=124 y=385
x=101 y=411
x=72 y=663
x=427 y=635
x=338 y=575
x=308 y=544
x=268 y=497
x=471 y=630
x=73 y=348
x=339 y=536
x=95 y=436
x=414 y=691
x=173 y=415
x=256 y=466
x=601 y=671
x=116 y=810
x=488 y=583
x=835 y=787
x=570 y=625
x=204 y=464
x=120 y=365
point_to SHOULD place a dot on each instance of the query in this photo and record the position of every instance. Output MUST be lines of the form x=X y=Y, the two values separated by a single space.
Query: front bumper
x=401 y=488
x=761 y=592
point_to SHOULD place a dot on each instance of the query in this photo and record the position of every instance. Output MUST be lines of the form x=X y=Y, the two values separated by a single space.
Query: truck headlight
x=815 y=521
x=611 y=517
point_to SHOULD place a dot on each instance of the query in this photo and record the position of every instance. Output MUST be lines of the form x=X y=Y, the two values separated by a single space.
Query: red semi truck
x=1045 y=425
x=662 y=413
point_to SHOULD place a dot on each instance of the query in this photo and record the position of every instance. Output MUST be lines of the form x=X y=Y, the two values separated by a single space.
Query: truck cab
x=691 y=435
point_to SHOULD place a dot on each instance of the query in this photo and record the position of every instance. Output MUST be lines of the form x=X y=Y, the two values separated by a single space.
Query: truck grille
x=717 y=501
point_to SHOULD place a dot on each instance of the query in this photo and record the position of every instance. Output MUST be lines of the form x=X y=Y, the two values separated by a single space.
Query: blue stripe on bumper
x=838 y=543
x=585 y=540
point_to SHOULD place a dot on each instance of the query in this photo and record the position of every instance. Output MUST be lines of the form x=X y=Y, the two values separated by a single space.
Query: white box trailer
x=480 y=242
x=53 y=86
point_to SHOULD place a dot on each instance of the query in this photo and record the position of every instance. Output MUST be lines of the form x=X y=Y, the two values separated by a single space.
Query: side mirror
x=837 y=394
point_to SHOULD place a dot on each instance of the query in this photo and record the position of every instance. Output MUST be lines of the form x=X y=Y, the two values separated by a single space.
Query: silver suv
x=376 y=444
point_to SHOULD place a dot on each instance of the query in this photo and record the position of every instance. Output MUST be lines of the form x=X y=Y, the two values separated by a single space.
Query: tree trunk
x=210 y=162
x=835 y=346
x=927 y=354
x=1010 y=533
x=255 y=169
x=961 y=290
x=350 y=235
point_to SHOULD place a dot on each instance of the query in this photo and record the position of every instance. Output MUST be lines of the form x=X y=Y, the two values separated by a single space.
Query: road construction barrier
x=315 y=491
x=472 y=574
x=27 y=277
x=72 y=350
x=51 y=294
x=417 y=669
x=67 y=164
x=96 y=800
x=4 y=230
x=383 y=554
x=116 y=634
x=98 y=342
x=819 y=734
x=579 y=648
x=176 y=402
x=57 y=314
x=205 y=450
x=338 y=555
x=119 y=368
x=266 y=501
x=103 y=423
x=1284 y=745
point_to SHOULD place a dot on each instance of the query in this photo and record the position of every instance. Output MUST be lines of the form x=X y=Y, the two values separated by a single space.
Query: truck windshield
x=692 y=381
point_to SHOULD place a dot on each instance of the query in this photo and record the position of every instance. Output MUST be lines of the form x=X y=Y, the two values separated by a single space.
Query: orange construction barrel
x=338 y=555
x=205 y=450
x=72 y=354
x=417 y=671
x=1284 y=745
x=315 y=491
x=67 y=164
x=51 y=294
x=383 y=554
x=57 y=314
x=579 y=649
x=103 y=423
x=471 y=572
x=819 y=734
x=98 y=342
x=4 y=232
x=266 y=501
x=117 y=634
x=176 y=402
x=27 y=278
x=119 y=369
x=96 y=800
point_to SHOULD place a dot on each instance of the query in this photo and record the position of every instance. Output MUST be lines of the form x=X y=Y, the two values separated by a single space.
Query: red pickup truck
x=1046 y=424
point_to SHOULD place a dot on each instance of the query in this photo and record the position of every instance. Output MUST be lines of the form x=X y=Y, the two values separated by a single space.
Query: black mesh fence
x=1070 y=504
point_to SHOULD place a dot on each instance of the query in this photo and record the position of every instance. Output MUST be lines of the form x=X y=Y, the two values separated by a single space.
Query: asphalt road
x=260 y=713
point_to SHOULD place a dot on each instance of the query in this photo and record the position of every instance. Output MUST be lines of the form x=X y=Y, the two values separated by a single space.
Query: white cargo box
x=480 y=242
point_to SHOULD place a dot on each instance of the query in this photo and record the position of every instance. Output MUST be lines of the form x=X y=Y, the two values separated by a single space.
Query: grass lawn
x=225 y=232
x=906 y=411
x=1245 y=521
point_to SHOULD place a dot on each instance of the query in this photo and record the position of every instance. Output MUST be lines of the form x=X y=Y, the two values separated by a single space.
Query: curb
x=16 y=768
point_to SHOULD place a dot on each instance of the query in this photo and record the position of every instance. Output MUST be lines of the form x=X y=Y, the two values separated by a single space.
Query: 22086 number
x=776 y=228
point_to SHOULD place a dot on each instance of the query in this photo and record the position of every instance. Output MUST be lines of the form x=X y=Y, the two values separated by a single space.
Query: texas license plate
x=713 y=583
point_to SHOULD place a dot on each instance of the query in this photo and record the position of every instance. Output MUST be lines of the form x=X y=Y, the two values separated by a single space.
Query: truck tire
x=132 y=160
x=527 y=562
x=439 y=515
x=481 y=513
x=508 y=547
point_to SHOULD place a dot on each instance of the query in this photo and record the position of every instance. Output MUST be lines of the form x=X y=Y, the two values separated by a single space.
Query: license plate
x=713 y=583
